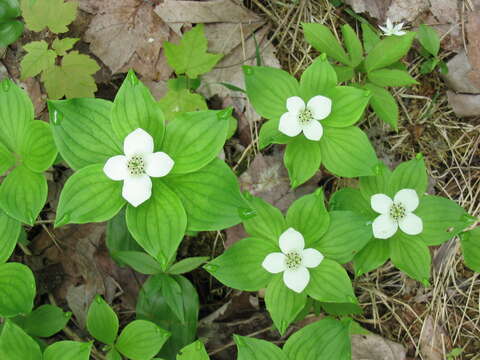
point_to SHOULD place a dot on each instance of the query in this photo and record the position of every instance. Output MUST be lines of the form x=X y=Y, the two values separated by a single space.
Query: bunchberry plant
x=373 y=65
x=10 y=27
x=470 y=241
x=139 y=340
x=405 y=220
x=169 y=178
x=294 y=256
x=27 y=150
x=429 y=48
x=64 y=72
x=314 y=117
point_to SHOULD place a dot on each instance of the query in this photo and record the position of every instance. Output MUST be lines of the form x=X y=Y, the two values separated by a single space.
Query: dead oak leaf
x=128 y=34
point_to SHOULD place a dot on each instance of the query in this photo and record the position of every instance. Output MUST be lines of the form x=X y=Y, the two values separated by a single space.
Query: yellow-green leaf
x=190 y=56
x=54 y=14
x=176 y=101
x=61 y=46
x=38 y=58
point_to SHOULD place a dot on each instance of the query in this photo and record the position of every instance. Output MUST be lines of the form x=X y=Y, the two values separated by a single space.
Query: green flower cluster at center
x=293 y=260
x=397 y=212
x=305 y=116
x=136 y=165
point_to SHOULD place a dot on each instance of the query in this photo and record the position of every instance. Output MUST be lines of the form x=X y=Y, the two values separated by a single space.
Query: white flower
x=293 y=260
x=300 y=118
x=396 y=213
x=137 y=166
x=390 y=29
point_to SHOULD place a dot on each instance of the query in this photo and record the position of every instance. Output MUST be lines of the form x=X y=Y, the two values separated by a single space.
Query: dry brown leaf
x=445 y=11
x=396 y=10
x=374 y=347
x=457 y=78
x=376 y=8
x=128 y=34
x=473 y=35
x=434 y=341
x=464 y=105
x=213 y=11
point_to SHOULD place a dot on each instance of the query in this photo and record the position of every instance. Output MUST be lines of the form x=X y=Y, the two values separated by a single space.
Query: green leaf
x=384 y=105
x=61 y=46
x=102 y=321
x=139 y=261
x=141 y=340
x=37 y=59
x=134 y=107
x=344 y=73
x=341 y=309
x=268 y=223
x=347 y=152
x=322 y=39
x=10 y=230
x=429 y=65
x=38 y=148
x=113 y=355
x=240 y=266
x=194 y=139
x=309 y=216
x=410 y=174
x=118 y=238
x=17 y=289
x=269 y=134
x=7 y=160
x=370 y=37
x=302 y=159
x=172 y=292
x=13 y=100
x=72 y=350
x=194 y=351
x=347 y=234
x=46 y=321
x=282 y=303
x=83 y=132
x=179 y=101
x=269 y=101
x=73 y=78
x=10 y=31
x=353 y=45
x=348 y=105
x=159 y=224
x=190 y=56
x=329 y=282
x=317 y=78
x=372 y=256
x=9 y=10
x=442 y=219
x=257 y=349
x=89 y=196
x=324 y=339
x=15 y=344
x=411 y=255
x=470 y=242
x=429 y=39
x=23 y=194
x=183 y=82
x=187 y=265
x=152 y=305
x=388 y=77
x=389 y=50
x=378 y=184
x=54 y=14
x=352 y=200
x=211 y=197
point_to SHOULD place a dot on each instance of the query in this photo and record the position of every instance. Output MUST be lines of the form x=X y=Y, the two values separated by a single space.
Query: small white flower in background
x=137 y=166
x=389 y=29
x=293 y=261
x=301 y=117
x=396 y=213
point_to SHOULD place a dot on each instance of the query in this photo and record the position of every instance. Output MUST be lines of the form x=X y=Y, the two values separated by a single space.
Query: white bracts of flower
x=293 y=261
x=301 y=117
x=137 y=166
x=390 y=29
x=396 y=213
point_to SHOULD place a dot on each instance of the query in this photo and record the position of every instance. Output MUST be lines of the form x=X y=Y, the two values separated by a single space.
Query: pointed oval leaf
x=17 y=289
